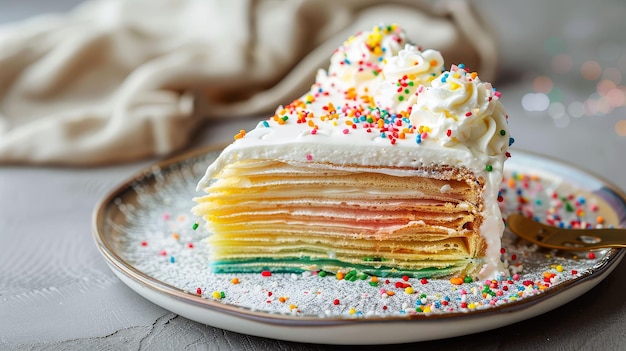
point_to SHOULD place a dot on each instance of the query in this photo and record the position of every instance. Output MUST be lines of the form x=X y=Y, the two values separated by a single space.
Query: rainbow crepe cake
x=389 y=165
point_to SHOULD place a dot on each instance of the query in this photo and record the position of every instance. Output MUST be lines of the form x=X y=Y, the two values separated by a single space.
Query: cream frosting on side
x=386 y=103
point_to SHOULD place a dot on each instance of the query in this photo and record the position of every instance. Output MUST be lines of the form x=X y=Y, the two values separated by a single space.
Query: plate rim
x=278 y=319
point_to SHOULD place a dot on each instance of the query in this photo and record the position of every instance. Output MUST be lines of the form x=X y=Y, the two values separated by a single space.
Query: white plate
x=144 y=230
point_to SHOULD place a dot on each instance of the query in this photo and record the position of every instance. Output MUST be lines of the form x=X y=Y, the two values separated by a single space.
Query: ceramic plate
x=148 y=237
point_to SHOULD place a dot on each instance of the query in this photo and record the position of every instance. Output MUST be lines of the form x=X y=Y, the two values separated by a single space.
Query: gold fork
x=566 y=239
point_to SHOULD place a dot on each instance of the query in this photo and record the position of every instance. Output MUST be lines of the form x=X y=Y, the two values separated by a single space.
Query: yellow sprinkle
x=427 y=309
x=292 y=307
x=454 y=86
x=217 y=295
x=352 y=311
x=559 y=268
x=456 y=75
x=471 y=306
x=409 y=290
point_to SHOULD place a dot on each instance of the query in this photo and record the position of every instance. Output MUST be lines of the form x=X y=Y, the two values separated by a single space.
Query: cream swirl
x=460 y=109
x=404 y=73
x=361 y=56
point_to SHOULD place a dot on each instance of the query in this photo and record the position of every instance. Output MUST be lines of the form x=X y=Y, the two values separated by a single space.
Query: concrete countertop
x=56 y=291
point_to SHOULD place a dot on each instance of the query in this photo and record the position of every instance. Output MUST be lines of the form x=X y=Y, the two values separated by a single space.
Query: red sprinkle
x=591 y=255
x=266 y=273
x=424 y=281
x=405 y=278
x=144 y=243
x=336 y=302
x=199 y=291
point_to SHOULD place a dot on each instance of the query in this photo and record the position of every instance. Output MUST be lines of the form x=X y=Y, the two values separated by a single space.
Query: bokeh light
x=576 y=109
x=620 y=127
x=591 y=70
x=542 y=84
x=535 y=102
x=603 y=75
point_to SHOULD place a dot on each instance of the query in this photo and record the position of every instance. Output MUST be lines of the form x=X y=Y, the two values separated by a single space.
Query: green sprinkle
x=374 y=284
x=195 y=226
x=406 y=91
x=468 y=280
x=321 y=274
x=411 y=84
x=375 y=73
x=569 y=207
x=222 y=295
x=285 y=118
x=489 y=168
x=400 y=98
x=503 y=132
x=363 y=276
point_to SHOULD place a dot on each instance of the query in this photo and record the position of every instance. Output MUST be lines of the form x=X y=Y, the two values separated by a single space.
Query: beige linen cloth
x=117 y=80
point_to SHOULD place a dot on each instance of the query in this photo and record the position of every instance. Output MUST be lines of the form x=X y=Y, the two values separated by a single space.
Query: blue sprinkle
x=355 y=120
x=447 y=298
x=346 y=61
x=461 y=65
x=511 y=141
x=561 y=225
x=519 y=192
x=363 y=118
x=581 y=200
x=383 y=135
x=265 y=124
x=172 y=260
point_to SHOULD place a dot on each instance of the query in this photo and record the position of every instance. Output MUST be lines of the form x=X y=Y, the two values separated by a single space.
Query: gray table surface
x=56 y=291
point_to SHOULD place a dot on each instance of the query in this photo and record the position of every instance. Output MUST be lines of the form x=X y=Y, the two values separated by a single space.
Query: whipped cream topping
x=386 y=103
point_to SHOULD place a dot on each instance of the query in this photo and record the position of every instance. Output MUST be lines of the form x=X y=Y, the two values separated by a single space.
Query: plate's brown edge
x=612 y=258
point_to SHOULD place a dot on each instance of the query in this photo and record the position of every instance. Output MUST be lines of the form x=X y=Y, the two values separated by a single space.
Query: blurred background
x=562 y=74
